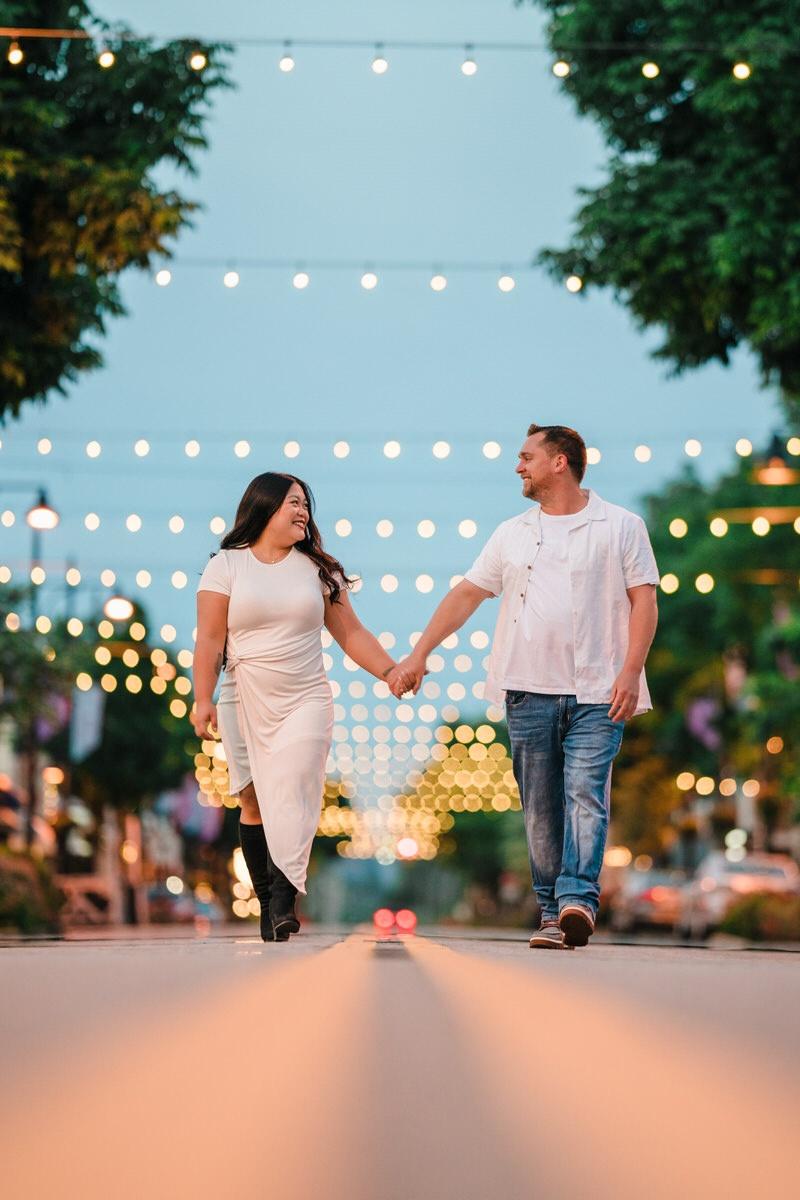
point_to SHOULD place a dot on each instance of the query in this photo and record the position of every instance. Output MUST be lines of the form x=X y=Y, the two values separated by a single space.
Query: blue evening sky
x=334 y=162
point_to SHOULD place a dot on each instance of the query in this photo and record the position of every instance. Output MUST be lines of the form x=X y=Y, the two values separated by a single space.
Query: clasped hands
x=406 y=676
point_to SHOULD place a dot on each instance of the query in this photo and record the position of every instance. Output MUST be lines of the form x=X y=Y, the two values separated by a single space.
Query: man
x=577 y=617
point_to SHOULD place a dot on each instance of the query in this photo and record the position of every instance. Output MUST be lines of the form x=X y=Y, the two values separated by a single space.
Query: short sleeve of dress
x=217 y=575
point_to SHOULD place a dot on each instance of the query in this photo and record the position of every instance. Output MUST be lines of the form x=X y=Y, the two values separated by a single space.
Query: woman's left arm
x=356 y=641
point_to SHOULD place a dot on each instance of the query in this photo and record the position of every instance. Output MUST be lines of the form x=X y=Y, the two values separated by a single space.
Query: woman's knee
x=249 y=803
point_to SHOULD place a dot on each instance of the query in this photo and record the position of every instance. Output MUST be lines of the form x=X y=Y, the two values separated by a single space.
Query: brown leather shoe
x=576 y=923
x=549 y=937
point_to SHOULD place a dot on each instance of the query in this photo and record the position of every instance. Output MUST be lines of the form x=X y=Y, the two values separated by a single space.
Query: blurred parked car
x=719 y=883
x=164 y=907
x=647 y=899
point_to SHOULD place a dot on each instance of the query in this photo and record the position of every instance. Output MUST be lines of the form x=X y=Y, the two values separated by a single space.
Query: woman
x=261 y=604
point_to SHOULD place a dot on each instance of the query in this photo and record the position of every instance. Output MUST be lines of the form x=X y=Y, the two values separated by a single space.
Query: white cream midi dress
x=275 y=707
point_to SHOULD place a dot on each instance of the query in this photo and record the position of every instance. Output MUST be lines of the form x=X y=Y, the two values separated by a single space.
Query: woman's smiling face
x=288 y=525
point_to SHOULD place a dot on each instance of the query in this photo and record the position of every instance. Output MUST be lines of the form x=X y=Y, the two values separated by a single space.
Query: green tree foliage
x=79 y=201
x=37 y=670
x=724 y=667
x=145 y=749
x=696 y=226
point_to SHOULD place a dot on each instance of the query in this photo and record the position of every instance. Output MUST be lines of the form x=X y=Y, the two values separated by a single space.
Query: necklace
x=271 y=562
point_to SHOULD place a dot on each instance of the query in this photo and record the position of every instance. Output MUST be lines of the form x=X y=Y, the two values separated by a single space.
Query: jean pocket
x=513 y=699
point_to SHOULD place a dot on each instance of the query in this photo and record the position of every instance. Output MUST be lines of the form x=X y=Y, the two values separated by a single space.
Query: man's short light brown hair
x=566 y=441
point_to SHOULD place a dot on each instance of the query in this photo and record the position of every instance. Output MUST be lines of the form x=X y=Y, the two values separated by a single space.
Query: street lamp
x=42 y=515
x=774 y=468
x=39 y=518
x=118 y=608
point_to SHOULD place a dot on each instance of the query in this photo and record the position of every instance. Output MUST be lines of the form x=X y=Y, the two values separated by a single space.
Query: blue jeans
x=563 y=753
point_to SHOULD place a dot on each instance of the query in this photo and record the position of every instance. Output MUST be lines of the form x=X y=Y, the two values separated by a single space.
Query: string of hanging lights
x=341 y=449
x=369 y=273
x=197 y=58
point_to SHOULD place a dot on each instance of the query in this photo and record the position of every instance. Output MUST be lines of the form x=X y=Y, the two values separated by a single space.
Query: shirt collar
x=595 y=510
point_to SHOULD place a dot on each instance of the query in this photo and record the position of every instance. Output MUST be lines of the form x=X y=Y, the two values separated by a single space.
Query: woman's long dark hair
x=262 y=498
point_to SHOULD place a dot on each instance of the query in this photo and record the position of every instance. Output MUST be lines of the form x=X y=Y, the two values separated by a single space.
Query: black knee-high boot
x=281 y=906
x=259 y=864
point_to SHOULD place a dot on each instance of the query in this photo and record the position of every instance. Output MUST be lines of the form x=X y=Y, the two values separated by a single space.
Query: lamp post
x=39 y=518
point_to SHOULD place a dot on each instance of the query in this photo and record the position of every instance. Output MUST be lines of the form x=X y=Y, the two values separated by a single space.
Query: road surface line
x=630 y=1103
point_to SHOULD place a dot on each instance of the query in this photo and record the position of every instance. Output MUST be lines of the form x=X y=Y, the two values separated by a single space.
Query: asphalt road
x=344 y=1066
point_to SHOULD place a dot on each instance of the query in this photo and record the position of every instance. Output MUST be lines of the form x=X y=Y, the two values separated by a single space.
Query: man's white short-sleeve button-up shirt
x=609 y=552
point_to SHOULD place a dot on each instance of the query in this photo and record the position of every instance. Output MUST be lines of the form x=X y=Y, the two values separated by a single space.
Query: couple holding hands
x=577 y=580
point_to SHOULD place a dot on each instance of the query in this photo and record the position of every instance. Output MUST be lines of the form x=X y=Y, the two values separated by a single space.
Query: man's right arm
x=457 y=607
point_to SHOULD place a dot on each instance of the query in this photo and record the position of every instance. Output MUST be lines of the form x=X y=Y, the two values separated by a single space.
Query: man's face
x=536 y=466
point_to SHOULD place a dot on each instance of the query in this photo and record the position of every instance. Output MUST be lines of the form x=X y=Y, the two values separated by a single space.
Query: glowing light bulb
x=369 y=281
x=651 y=70
x=561 y=68
x=106 y=59
x=469 y=67
x=741 y=70
x=15 y=54
x=163 y=277
x=438 y=283
x=231 y=279
x=506 y=283
x=301 y=280
x=198 y=61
